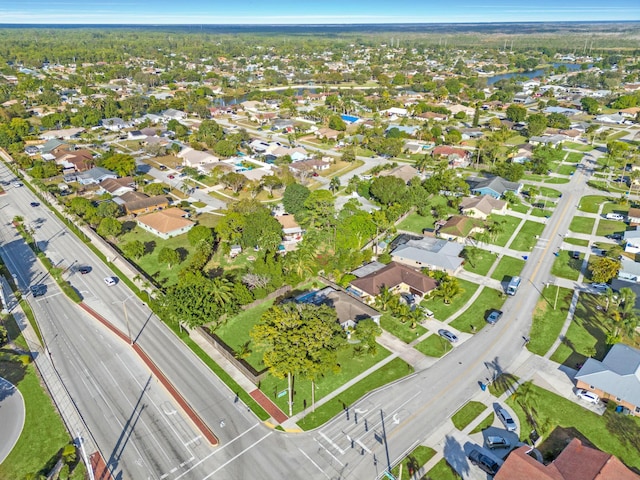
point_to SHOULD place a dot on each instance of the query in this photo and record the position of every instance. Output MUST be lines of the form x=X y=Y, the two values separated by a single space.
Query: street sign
x=283 y=393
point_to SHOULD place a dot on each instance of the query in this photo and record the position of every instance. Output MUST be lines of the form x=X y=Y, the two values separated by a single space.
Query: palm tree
x=384 y=299
x=448 y=289
x=220 y=290
x=334 y=184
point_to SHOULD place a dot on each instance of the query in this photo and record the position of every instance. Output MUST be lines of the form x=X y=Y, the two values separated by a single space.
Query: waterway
x=541 y=72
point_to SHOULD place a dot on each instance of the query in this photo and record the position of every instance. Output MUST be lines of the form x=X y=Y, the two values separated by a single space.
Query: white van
x=614 y=216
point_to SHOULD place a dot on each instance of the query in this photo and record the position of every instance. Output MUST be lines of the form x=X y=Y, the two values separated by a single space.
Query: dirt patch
x=558 y=440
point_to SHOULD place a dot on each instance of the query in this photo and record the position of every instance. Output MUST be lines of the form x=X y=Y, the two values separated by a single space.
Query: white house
x=632 y=241
x=195 y=158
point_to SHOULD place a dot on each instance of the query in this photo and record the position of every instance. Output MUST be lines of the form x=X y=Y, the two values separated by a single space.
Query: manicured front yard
x=507 y=268
x=474 y=318
x=508 y=226
x=434 y=346
x=393 y=370
x=566 y=266
x=467 y=414
x=484 y=424
x=548 y=322
x=612 y=433
x=481 y=263
x=416 y=223
x=527 y=236
x=443 y=471
x=577 y=241
x=550 y=192
x=582 y=225
x=403 y=331
x=608 y=227
x=612 y=207
x=581 y=147
x=413 y=461
x=591 y=203
x=442 y=311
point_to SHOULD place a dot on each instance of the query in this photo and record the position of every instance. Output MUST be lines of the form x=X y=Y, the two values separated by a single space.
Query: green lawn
x=607 y=227
x=403 y=331
x=413 y=461
x=582 y=225
x=591 y=203
x=416 y=223
x=617 y=135
x=548 y=322
x=434 y=346
x=565 y=266
x=577 y=241
x=540 y=212
x=442 y=471
x=612 y=433
x=515 y=140
x=442 y=311
x=587 y=335
x=473 y=319
x=581 y=147
x=467 y=414
x=482 y=263
x=520 y=208
x=574 y=157
x=44 y=433
x=527 y=236
x=533 y=177
x=550 y=192
x=500 y=385
x=393 y=370
x=612 y=207
x=509 y=224
x=507 y=268
x=484 y=424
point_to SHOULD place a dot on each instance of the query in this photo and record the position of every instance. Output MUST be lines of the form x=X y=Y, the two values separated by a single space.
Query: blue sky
x=311 y=11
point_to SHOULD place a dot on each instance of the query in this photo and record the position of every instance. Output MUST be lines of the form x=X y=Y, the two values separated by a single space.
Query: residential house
x=94 y=176
x=195 y=158
x=367 y=269
x=166 y=223
x=552 y=140
x=328 y=133
x=116 y=186
x=397 y=278
x=136 y=203
x=349 y=310
x=494 y=186
x=114 y=124
x=632 y=241
x=415 y=147
x=282 y=124
x=404 y=172
x=290 y=228
x=458 y=228
x=576 y=462
x=395 y=112
x=457 y=157
x=633 y=217
x=309 y=165
x=428 y=252
x=629 y=270
x=52 y=145
x=483 y=206
x=362 y=202
x=297 y=153
x=66 y=133
x=173 y=114
x=614 y=118
x=136 y=135
x=259 y=146
x=616 y=377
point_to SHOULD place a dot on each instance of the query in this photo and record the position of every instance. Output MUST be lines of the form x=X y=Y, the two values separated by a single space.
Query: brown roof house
x=483 y=206
x=634 y=216
x=290 y=228
x=348 y=309
x=116 y=186
x=397 y=278
x=458 y=157
x=136 y=203
x=166 y=223
x=403 y=172
x=459 y=227
x=575 y=462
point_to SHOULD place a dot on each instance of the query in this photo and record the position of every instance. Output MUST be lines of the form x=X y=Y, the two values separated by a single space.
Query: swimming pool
x=306 y=297
x=349 y=118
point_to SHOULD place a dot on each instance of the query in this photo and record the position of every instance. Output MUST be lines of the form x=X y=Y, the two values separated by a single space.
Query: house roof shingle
x=485 y=204
x=166 y=221
x=392 y=275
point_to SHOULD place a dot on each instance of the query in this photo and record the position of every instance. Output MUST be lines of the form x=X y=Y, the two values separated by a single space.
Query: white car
x=110 y=281
x=587 y=396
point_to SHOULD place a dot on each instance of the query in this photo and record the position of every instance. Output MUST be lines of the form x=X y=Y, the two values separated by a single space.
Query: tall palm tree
x=448 y=289
x=384 y=299
x=220 y=290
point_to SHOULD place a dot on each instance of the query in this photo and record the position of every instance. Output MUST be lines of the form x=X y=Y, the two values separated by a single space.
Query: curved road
x=12 y=415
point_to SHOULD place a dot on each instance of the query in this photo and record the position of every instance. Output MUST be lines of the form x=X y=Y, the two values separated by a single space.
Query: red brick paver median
x=271 y=408
x=100 y=470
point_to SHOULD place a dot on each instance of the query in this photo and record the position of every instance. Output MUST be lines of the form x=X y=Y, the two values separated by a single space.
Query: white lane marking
x=314 y=463
x=364 y=447
x=233 y=458
x=193 y=440
x=327 y=450
x=332 y=443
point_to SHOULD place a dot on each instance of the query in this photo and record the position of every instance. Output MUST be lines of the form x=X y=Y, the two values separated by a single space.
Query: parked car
x=497 y=442
x=614 y=216
x=448 y=335
x=615 y=236
x=34 y=204
x=110 y=281
x=485 y=463
x=602 y=287
x=587 y=396
x=84 y=269
x=575 y=255
x=494 y=316
x=506 y=419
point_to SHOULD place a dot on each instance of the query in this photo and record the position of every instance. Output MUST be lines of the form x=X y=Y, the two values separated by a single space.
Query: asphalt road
x=12 y=415
x=111 y=386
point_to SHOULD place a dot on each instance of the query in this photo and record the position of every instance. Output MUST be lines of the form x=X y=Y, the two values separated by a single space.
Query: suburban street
x=141 y=431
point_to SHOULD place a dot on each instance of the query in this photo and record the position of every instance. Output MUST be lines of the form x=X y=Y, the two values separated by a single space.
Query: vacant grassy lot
x=416 y=223
x=612 y=207
x=507 y=268
x=527 y=236
x=548 y=322
x=582 y=225
x=393 y=370
x=608 y=227
x=442 y=311
x=508 y=226
x=413 y=461
x=613 y=433
x=473 y=319
x=434 y=346
x=591 y=203
x=467 y=414
x=403 y=331
x=566 y=266
x=566 y=169
x=481 y=263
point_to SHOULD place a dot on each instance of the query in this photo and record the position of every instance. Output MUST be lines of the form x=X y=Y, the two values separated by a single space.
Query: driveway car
x=497 y=442
x=110 y=281
x=84 y=269
x=494 y=316
x=587 y=396
x=446 y=334
x=602 y=287
x=575 y=255
x=34 y=204
x=485 y=463
x=506 y=419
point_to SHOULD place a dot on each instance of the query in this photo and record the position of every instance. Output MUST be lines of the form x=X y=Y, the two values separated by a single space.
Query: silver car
x=497 y=442
x=507 y=420
x=446 y=334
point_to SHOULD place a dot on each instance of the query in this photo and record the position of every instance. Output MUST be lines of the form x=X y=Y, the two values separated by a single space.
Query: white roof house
x=195 y=158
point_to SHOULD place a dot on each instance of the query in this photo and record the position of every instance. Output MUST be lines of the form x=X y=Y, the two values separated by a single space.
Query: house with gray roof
x=431 y=253
x=95 y=176
x=629 y=270
x=616 y=377
x=632 y=241
x=494 y=186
